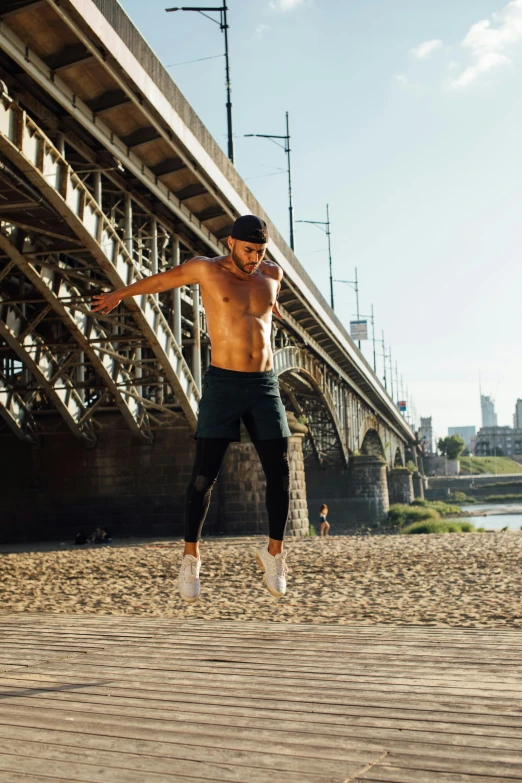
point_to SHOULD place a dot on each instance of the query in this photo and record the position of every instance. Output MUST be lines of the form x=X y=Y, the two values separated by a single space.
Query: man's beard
x=240 y=265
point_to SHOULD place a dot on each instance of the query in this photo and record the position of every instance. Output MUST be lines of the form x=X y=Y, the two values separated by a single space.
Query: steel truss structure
x=102 y=183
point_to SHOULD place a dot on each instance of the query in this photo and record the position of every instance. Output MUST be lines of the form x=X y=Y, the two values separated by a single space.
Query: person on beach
x=324 y=528
x=239 y=293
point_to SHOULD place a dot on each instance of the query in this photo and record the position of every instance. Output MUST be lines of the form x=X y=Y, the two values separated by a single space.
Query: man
x=239 y=293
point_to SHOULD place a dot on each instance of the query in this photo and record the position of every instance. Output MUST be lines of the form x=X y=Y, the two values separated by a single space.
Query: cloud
x=261 y=29
x=491 y=42
x=425 y=49
x=401 y=80
x=285 y=5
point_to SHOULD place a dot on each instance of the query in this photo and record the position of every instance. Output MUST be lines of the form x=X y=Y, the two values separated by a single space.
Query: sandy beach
x=471 y=579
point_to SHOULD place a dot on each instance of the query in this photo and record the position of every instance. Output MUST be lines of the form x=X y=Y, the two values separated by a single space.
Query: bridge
x=106 y=176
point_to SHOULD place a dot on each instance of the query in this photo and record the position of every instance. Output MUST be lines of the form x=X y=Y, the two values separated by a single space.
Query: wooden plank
x=87 y=773
x=471 y=766
x=421 y=716
x=397 y=715
x=232 y=767
x=472 y=705
x=114 y=725
x=234 y=716
x=396 y=775
x=416 y=685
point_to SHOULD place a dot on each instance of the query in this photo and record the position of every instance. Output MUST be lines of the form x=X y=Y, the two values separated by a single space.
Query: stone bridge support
x=418 y=486
x=400 y=486
x=369 y=489
x=242 y=487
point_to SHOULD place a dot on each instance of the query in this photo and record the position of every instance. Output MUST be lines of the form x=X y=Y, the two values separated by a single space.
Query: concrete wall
x=440 y=466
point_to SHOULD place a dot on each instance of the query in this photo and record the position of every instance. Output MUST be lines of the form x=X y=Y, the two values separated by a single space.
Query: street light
x=384 y=356
x=355 y=285
x=286 y=148
x=372 y=321
x=320 y=225
x=223 y=26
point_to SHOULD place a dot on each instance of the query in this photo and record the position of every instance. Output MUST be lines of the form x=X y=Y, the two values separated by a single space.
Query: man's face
x=247 y=256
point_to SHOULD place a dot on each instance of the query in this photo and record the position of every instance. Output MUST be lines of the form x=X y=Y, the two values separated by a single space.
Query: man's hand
x=104 y=303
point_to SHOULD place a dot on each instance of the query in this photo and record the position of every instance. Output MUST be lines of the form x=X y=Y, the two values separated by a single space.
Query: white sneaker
x=274 y=577
x=188 y=579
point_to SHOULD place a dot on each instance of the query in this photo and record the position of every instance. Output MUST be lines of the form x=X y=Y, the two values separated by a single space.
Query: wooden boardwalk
x=136 y=700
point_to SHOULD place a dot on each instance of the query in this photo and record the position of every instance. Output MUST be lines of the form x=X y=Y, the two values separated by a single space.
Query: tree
x=451 y=447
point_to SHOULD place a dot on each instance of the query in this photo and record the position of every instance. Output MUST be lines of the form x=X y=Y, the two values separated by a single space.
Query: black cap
x=250 y=228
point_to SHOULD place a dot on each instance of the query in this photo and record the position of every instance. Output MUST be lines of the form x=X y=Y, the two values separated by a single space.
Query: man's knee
x=201 y=485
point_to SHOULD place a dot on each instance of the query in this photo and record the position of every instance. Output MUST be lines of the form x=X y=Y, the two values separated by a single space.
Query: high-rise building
x=426 y=434
x=489 y=417
x=466 y=433
x=517 y=418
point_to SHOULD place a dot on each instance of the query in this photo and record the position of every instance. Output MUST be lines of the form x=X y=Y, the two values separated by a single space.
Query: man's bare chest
x=256 y=294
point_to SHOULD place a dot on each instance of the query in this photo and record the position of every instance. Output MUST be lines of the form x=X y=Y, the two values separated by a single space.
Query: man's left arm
x=275 y=308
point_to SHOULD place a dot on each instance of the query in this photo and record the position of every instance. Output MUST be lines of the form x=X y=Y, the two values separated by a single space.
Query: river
x=495 y=517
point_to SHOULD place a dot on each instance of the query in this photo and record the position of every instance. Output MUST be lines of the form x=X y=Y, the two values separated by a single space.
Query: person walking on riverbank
x=239 y=293
x=324 y=527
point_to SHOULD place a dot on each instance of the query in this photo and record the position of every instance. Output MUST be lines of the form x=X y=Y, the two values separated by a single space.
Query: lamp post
x=355 y=285
x=320 y=224
x=384 y=362
x=223 y=26
x=372 y=321
x=286 y=148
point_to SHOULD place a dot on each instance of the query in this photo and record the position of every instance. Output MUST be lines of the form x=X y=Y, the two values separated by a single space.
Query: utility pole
x=286 y=148
x=372 y=321
x=320 y=225
x=384 y=362
x=223 y=26
x=391 y=372
x=355 y=285
x=373 y=341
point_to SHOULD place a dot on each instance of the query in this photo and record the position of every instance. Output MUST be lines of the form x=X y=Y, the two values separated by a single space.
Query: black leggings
x=210 y=453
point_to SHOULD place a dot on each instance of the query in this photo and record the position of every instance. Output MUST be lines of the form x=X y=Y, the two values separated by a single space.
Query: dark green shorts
x=230 y=396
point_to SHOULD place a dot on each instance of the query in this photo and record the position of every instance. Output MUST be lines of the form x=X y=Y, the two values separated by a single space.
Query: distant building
x=466 y=433
x=517 y=418
x=426 y=434
x=489 y=417
x=504 y=440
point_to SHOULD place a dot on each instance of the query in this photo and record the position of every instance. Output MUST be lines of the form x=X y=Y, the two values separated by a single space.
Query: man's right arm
x=185 y=274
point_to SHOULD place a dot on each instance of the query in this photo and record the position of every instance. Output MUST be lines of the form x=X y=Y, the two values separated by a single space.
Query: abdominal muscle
x=241 y=343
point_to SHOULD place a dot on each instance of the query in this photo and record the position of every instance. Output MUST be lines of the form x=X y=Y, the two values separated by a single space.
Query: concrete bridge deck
x=124 y=699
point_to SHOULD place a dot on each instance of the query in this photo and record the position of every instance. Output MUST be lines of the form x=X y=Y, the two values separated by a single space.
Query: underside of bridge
x=107 y=176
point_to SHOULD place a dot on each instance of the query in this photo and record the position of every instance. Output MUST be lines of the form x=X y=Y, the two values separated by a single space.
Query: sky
x=406 y=118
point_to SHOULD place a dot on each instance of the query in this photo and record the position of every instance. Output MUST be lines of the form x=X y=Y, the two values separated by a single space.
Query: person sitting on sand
x=98 y=537
x=325 y=526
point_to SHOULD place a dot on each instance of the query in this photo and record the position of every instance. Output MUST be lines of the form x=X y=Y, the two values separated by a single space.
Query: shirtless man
x=239 y=293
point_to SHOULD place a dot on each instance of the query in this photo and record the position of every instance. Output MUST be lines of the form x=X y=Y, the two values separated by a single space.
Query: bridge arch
x=292 y=359
x=398 y=461
x=371 y=444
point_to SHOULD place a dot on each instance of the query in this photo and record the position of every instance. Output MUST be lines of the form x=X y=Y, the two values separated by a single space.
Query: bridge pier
x=242 y=487
x=418 y=486
x=368 y=489
x=400 y=486
x=354 y=496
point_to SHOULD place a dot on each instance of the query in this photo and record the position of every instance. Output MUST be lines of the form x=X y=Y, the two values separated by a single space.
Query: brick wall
x=133 y=489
